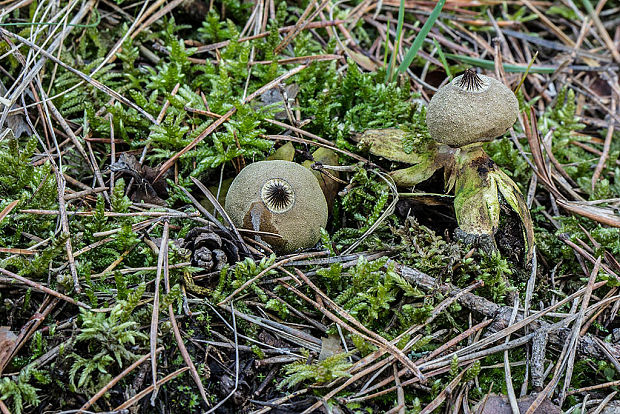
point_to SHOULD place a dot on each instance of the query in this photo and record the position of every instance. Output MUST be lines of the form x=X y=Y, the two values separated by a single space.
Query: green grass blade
x=489 y=64
x=387 y=48
x=529 y=66
x=417 y=42
x=442 y=58
x=399 y=32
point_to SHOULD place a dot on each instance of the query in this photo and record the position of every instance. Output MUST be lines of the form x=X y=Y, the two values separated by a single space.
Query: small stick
x=508 y=375
x=103 y=88
x=606 y=147
x=166 y=166
x=594 y=387
x=148 y=389
x=163 y=253
x=44 y=289
x=115 y=380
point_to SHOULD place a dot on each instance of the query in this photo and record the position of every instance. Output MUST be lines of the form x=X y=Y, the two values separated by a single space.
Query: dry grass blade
x=299 y=26
x=302 y=132
x=280 y=263
x=69 y=131
x=156 y=16
x=103 y=88
x=400 y=393
x=186 y=357
x=7 y=210
x=218 y=122
x=508 y=375
x=27 y=331
x=594 y=15
x=375 y=338
x=286 y=29
x=364 y=335
x=555 y=29
x=64 y=221
x=606 y=146
x=34 y=71
x=608 y=352
x=355 y=328
x=298 y=59
x=366 y=361
x=232 y=392
x=216 y=205
x=603 y=403
x=594 y=387
x=567 y=355
x=577 y=328
x=445 y=393
x=387 y=212
x=278 y=401
x=18 y=251
x=165 y=214
x=602 y=215
x=491 y=309
x=39 y=287
x=533 y=139
x=296 y=336
x=162 y=255
x=116 y=379
x=461 y=337
x=149 y=389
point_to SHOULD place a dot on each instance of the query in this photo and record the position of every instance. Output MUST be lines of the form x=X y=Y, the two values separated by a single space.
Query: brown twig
x=606 y=147
x=39 y=287
x=115 y=380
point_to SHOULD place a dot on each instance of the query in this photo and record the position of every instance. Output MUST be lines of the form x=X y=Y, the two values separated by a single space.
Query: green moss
x=337 y=103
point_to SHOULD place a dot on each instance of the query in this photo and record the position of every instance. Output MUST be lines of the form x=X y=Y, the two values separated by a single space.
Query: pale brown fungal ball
x=279 y=197
x=471 y=108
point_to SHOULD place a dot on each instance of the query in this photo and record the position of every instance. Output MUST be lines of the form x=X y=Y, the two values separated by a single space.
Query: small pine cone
x=211 y=248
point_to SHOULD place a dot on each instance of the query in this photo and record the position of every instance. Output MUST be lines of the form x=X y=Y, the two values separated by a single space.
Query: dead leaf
x=330 y=346
x=388 y=143
x=362 y=60
x=16 y=121
x=145 y=187
x=499 y=404
x=330 y=187
x=274 y=96
x=7 y=343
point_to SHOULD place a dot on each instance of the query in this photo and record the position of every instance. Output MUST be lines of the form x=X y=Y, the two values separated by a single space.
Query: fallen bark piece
x=587 y=346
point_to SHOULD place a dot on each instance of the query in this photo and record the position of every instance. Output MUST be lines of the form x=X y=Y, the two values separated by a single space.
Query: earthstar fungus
x=472 y=108
x=462 y=115
x=279 y=197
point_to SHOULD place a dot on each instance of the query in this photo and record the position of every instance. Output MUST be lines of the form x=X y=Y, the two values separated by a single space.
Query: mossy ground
x=65 y=354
